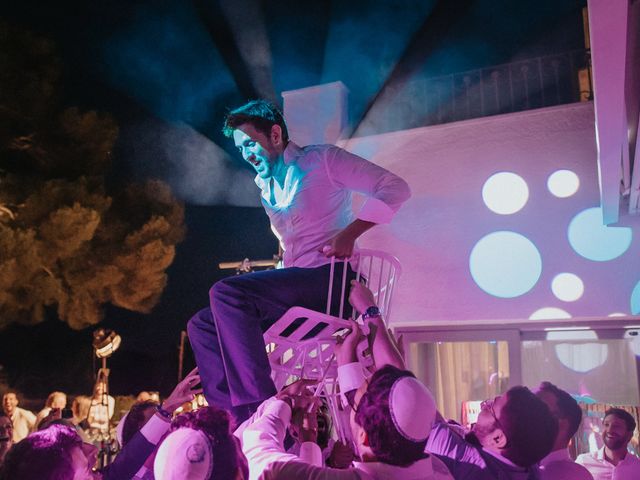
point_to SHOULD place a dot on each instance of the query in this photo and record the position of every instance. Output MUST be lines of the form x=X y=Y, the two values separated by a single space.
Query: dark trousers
x=227 y=338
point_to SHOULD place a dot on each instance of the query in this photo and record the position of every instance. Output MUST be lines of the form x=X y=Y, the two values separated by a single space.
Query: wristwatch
x=372 y=311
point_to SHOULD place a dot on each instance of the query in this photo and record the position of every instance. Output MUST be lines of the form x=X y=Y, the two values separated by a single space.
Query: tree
x=69 y=239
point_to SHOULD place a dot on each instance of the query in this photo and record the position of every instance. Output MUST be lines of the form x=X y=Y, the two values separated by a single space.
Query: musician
x=307 y=193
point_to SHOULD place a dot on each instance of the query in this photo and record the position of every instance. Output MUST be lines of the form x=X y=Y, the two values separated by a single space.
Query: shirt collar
x=290 y=155
x=291 y=152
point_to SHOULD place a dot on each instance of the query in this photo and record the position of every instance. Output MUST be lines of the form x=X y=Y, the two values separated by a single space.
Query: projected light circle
x=549 y=313
x=505 y=264
x=582 y=357
x=635 y=300
x=567 y=287
x=594 y=241
x=505 y=193
x=563 y=183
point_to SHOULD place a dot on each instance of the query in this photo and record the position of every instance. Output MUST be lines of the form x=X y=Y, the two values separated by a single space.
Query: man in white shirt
x=613 y=461
x=23 y=420
x=390 y=420
x=307 y=193
x=558 y=465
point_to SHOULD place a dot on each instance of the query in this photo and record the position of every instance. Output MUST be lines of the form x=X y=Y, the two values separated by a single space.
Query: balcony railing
x=511 y=87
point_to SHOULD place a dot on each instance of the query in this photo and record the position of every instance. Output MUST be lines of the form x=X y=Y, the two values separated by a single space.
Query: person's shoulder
x=440 y=470
x=633 y=459
x=585 y=457
x=565 y=469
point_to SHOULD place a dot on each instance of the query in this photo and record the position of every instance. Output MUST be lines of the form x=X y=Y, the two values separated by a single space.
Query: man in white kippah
x=200 y=447
x=391 y=416
x=390 y=420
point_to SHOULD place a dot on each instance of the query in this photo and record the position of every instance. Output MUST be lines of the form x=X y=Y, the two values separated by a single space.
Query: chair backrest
x=301 y=343
x=297 y=341
x=381 y=272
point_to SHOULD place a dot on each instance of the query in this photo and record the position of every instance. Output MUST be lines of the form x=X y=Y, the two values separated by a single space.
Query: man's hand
x=298 y=394
x=345 y=349
x=184 y=391
x=341 y=455
x=360 y=297
x=340 y=246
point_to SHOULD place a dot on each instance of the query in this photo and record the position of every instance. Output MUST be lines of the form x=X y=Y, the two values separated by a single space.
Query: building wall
x=449 y=275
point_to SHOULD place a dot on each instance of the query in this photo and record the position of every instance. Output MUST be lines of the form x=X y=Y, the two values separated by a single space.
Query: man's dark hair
x=45 y=455
x=261 y=114
x=135 y=419
x=568 y=408
x=373 y=415
x=216 y=425
x=529 y=426
x=623 y=415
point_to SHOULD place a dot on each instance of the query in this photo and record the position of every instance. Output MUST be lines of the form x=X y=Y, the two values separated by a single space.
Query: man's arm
x=143 y=443
x=385 y=193
x=384 y=349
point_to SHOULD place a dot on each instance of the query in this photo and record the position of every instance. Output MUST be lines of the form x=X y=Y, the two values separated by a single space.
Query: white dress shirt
x=558 y=465
x=262 y=445
x=601 y=469
x=315 y=201
x=24 y=422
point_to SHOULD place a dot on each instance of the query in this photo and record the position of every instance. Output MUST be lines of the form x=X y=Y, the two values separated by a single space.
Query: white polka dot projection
x=505 y=264
x=595 y=241
x=505 y=193
x=567 y=287
x=635 y=300
x=582 y=357
x=563 y=183
x=549 y=313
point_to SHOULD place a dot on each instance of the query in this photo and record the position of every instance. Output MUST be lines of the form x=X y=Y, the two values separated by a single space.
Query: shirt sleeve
x=386 y=191
x=350 y=377
x=262 y=439
x=154 y=429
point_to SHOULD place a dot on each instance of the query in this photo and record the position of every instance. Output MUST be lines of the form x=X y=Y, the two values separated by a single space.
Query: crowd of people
x=396 y=432
x=249 y=430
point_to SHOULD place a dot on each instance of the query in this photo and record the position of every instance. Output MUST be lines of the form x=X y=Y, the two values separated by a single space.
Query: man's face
x=256 y=148
x=356 y=430
x=9 y=403
x=59 y=401
x=489 y=420
x=6 y=431
x=83 y=458
x=615 y=434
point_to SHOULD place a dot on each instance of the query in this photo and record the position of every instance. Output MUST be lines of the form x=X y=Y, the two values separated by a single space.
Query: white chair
x=301 y=343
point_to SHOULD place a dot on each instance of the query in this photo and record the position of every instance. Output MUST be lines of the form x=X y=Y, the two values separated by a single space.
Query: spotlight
x=105 y=342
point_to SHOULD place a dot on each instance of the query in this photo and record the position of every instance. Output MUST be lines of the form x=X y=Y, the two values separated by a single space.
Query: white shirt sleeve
x=350 y=377
x=262 y=439
x=154 y=429
x=386 y=191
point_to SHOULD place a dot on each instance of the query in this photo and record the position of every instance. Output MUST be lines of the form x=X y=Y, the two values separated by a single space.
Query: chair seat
x=301 y=343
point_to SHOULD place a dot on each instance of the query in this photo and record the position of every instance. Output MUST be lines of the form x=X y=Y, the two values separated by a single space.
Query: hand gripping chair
x=301 y=343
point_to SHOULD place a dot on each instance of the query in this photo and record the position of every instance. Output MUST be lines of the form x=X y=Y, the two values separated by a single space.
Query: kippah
x=412 y=408
x=184 y=453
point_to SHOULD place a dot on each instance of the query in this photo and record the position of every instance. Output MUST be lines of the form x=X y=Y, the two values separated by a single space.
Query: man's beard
x=614 y=444
x=477 y=434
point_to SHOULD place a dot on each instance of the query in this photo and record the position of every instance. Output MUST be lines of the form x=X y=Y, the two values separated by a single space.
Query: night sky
x=168 y=71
